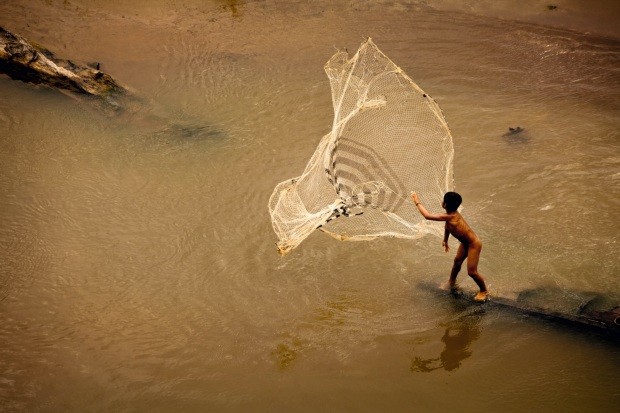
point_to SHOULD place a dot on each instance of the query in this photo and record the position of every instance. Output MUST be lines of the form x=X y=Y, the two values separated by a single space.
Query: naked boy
x=470 y=246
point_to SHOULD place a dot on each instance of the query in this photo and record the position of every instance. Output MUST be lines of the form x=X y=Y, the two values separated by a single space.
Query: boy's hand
x=445 y=246
x=414 y=197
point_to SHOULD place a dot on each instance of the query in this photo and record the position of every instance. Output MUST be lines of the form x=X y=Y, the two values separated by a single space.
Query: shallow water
x=139 y=267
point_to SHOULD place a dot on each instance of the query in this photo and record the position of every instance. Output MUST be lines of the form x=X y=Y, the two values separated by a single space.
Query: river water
x=139 y=268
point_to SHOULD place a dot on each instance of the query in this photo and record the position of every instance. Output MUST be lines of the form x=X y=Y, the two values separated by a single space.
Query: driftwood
x=23 y=61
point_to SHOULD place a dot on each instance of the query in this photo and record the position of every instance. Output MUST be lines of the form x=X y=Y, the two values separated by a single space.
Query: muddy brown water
x=139 y=271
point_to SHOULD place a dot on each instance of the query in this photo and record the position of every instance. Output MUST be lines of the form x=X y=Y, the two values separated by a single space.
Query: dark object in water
x=190 y=132
x=551 y=7
x=516 y=135
x=591 y=311
x=22 y=61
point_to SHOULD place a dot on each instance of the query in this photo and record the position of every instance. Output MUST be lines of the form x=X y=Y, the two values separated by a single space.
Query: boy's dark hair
x=452 y=200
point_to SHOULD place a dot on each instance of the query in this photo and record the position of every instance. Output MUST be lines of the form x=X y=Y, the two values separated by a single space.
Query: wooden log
x=23 y=61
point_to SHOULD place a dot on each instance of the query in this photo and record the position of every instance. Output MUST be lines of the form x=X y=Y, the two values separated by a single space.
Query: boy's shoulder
x=455 y=219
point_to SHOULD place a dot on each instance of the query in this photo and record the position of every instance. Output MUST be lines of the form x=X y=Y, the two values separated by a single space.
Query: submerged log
x=23 y=61
x=595 y=312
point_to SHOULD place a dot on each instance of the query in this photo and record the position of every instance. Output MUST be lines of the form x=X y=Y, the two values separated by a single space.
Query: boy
x=470 y=243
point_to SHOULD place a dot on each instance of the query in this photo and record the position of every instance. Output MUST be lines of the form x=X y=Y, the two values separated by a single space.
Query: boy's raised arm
x=424 y=211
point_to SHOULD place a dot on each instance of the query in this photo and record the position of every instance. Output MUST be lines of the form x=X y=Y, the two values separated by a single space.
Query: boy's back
x=459 y=229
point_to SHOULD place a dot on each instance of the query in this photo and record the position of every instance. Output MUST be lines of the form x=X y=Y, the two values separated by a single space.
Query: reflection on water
x=287 y=352
x=234 y=6
x=458 y=338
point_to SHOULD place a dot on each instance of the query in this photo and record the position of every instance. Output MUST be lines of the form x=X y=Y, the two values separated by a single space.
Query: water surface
x=139 y=264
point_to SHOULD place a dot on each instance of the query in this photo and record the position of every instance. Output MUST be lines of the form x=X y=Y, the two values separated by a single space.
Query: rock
x=514 y=131
x=22 y=61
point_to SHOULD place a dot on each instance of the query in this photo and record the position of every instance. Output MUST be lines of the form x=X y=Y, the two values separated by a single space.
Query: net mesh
x=388 y=138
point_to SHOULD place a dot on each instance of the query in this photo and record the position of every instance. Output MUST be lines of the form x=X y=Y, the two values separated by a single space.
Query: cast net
x=388 y=138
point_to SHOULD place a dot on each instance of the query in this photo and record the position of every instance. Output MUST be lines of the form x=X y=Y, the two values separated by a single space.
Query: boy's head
x=451 y=201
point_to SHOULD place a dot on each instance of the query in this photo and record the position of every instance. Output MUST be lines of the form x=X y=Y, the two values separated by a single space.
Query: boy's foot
x=481 y=297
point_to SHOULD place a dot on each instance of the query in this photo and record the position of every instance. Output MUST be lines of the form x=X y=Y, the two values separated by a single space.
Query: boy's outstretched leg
x=472 y=271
